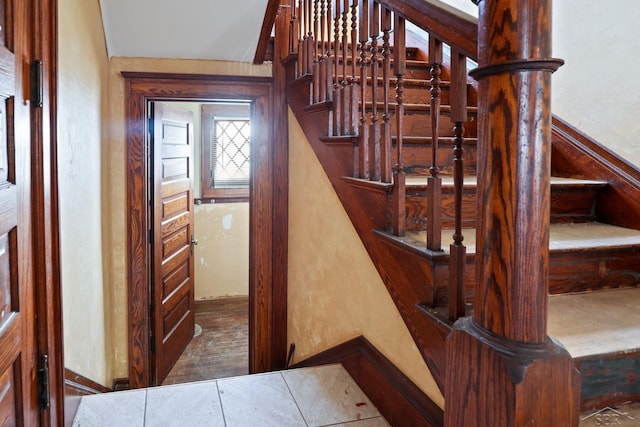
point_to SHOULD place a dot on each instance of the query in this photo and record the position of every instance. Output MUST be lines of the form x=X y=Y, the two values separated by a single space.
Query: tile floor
x=319 y=396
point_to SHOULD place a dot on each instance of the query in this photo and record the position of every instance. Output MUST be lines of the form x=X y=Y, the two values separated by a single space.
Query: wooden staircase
x=395 y=153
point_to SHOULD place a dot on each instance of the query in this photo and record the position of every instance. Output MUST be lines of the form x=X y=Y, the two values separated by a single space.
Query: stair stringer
x=408 y=279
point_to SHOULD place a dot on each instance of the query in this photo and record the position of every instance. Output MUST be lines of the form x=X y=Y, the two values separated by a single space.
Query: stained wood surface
x=266 y=320
x=222 y=348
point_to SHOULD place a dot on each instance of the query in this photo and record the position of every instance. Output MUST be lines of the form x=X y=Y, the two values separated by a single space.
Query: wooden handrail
x=265 y=32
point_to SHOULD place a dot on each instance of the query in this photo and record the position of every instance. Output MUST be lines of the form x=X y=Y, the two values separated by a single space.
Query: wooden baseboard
x=397 y=398
x=76 y=386
x=120 y=384
x=209 y=305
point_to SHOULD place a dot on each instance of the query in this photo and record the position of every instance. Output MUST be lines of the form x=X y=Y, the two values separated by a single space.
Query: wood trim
x=209 y=305
x=120 y=384
x=266 y=325
x=265 y=32
x=451 y=28
x=45 y=220
x=80 y=385
x=577 y=155
x=397 y=398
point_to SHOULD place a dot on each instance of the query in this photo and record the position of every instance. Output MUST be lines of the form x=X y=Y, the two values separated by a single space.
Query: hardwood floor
x=222 y=348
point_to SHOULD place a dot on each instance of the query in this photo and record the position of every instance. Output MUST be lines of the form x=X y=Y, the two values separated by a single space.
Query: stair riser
x=417 y=159
x=412 y=94
x=419 y=124
x=565 y=207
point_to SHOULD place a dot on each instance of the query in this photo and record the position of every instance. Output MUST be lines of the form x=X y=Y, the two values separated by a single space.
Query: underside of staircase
x=594 y=196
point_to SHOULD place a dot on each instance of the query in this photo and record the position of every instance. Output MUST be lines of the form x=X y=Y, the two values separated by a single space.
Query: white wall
x=597 y=90
x=82 y=77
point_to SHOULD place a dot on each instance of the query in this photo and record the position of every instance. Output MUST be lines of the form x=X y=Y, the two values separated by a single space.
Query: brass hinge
x=43 y=382
x=36 y=83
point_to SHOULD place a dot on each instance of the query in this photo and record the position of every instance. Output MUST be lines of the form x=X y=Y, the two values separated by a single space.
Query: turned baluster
x=354 y=88
x=399 y=67
x=363 y=140
x=328 y=63
x=310 y=39
x=322 y=78
x=293 y=28
x=434 y=182
x=375 y=63
x=458 y=251
x=337 y=98
x=385 y=130
x=315 y=66
x=302 y=35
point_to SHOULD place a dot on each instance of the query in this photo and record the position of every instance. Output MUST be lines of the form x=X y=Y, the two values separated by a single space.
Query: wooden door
x=18 y=360
x=172 y=275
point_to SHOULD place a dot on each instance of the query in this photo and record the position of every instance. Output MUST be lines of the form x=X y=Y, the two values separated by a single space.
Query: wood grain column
x=503 y=370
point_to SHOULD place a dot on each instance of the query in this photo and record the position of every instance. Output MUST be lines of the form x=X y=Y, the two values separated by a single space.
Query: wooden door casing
x=268 y=213
x=172 y=286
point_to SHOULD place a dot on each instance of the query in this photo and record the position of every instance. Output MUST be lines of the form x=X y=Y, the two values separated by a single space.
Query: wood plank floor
x=222 y=348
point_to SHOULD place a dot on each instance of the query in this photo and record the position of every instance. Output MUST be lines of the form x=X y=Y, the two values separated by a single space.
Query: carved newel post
x=502 y=369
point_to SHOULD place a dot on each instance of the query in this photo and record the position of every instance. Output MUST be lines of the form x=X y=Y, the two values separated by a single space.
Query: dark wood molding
x=576 y=154
x=266 y=255
x=120 y=384
x=209 y=305
x=265 y=32
x=80 y=385
x=45 y=214
x=397 y=398
x=453 y=29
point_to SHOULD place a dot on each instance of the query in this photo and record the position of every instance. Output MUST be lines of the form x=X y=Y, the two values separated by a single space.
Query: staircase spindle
x=458 y=252
x=385 y=131
x=337 y=95
x=344 y=81
x=328 y=63
x=353 y=92
x=301 y=39
x=399 y=68
x=434 y=182
x=322 y=80
x=363 y=134
x=293 y=25
x=375 y=64
x=310 y=55
x=315 y=85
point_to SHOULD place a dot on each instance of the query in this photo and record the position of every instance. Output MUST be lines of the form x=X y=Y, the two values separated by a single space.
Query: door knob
x=194 y=242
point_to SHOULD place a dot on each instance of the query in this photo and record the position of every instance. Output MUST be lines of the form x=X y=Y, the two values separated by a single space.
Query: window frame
x=209 y=112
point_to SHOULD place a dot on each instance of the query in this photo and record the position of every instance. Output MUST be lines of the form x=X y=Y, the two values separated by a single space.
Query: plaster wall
x=335 y=292
x=82 y=82
x=596 y=90
x=115 y=181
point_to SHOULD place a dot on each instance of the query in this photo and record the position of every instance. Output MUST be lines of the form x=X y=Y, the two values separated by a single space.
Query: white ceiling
x=185 y=29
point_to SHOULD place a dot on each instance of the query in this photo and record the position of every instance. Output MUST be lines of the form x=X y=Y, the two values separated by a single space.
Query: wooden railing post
x=434 y=182
x=385 y=130
x=375 y=63
x=363 y=133
x=457 y=250
x=503 y=370
x=398 y=209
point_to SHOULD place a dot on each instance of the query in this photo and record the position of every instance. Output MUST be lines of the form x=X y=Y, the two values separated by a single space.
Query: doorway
x=206 y=258
x=267 y=192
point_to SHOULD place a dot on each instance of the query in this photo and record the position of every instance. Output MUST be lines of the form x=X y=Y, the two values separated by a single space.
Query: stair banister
x=385 y=130
x=457 y=250
x=434 y=182
x=398 y=211
x=363 y=133
x=375 y=124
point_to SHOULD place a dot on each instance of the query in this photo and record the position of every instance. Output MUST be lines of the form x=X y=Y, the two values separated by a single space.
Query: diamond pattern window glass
x=230 y=154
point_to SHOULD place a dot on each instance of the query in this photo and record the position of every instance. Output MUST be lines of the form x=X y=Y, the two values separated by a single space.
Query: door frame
x=267 y=219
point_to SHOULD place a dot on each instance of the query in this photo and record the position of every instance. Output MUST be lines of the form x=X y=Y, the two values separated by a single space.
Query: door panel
x=18 y=400
x=172 y=276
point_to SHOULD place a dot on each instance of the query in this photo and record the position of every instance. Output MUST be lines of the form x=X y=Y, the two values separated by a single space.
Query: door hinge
x=152 y=344
x=43 y=382
x=36 y=83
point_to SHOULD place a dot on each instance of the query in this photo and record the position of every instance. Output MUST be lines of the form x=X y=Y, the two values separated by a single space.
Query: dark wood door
x=18 y=361
x=172 y=276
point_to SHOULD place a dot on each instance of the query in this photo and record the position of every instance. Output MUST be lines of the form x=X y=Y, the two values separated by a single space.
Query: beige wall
x=597 y=89
x=82 y=68
x=335 y=292
x=222 y=254
x=115 y=185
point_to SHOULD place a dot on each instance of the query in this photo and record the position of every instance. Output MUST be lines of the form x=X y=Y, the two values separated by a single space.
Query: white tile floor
x=320 y=396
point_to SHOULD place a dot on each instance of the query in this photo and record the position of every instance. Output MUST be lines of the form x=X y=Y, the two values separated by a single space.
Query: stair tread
x=596 y=323
x=471 y=181
x=562 y=237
